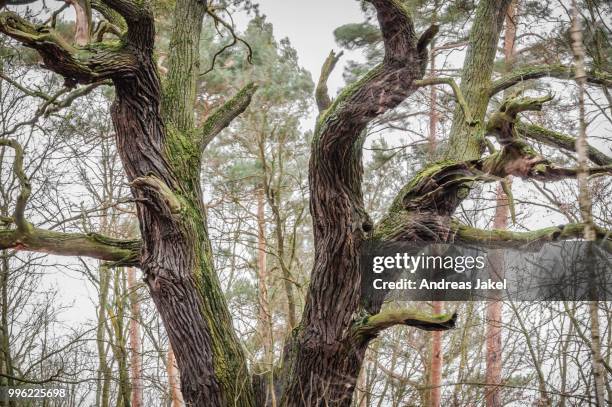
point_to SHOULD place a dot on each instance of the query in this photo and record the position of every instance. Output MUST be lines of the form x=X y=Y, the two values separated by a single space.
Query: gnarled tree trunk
x=326 y=351
x=161 y=149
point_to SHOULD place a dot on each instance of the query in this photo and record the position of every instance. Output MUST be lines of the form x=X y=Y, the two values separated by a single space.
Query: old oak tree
x=163 y=150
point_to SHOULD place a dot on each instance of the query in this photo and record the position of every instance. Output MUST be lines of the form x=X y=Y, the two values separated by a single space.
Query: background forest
x=92 y=327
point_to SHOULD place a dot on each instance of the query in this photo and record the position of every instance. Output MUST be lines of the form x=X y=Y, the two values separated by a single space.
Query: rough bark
x=161 y=152
x=160 y=149
x=324 y=355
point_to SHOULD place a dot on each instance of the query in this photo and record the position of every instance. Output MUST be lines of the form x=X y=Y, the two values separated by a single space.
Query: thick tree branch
x=426 y=38
x=106 y=27
x=26 y=237
x=321 y=93
x=541 y=71
x=77 y=65
x=516 y=157
x=397 y=30
x=119 y=252
x=422 y=208
x=138 y=17
x=560 y=140
x=109 y=14
x=506 y=238
x=381 y=89
x=224 y=115
x=372 y=325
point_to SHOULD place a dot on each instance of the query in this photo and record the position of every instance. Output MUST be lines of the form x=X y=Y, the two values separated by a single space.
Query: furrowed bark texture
x=323 y=358
x=161 y=153
x=161 y=156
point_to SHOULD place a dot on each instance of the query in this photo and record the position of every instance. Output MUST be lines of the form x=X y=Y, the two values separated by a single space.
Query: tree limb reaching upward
x=422 y=208
x=339 y=218
x=224 y=115
x=321 y=92
x=516 y=157
x=24 y=184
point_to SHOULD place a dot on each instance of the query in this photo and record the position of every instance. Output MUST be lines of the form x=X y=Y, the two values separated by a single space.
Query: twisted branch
x=88 y=65
x=372 y=325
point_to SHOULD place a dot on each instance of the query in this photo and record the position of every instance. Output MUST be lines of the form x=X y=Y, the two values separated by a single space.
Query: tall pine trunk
x=264 y=316
x=135 y=342
x=493 y=374
x=176 y=398
x=436 y=357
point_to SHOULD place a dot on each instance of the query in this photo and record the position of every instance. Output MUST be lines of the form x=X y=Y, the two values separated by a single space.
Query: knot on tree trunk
x=158 y=195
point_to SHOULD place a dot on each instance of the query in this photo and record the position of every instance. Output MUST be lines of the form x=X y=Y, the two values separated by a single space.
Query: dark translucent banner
x=554 y=271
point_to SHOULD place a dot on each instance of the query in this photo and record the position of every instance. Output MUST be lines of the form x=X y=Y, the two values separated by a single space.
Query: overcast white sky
x=310 y=26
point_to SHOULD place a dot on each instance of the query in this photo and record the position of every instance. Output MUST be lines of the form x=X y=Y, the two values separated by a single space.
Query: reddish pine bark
x=493 y=374
x=135 y=344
